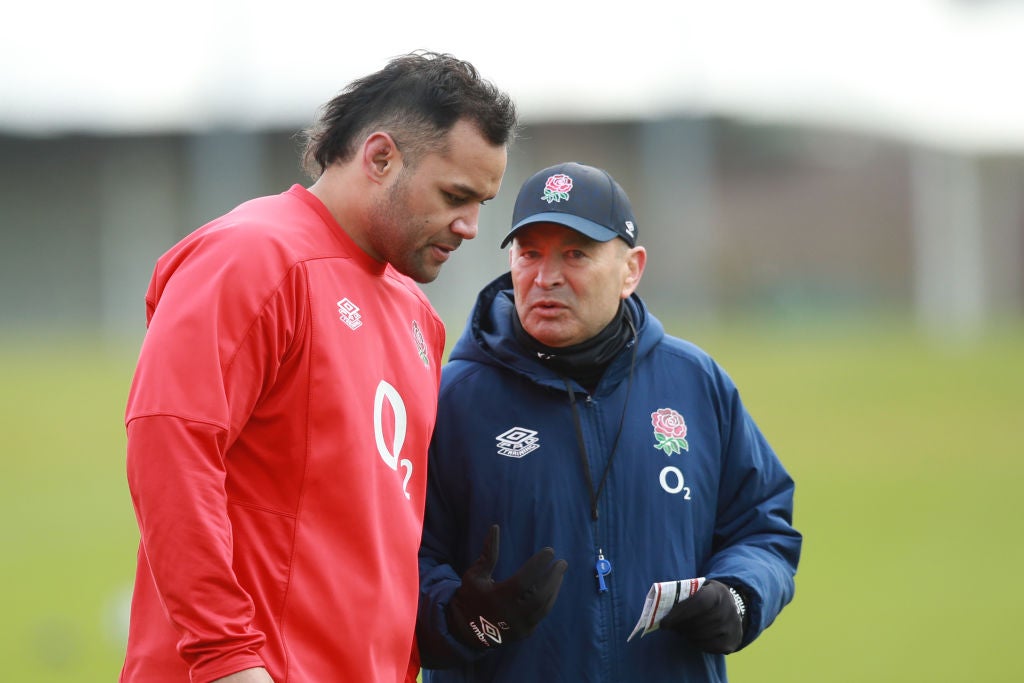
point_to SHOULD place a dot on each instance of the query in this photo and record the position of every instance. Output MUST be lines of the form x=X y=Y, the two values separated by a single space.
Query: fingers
x=539 y=580
x=538 y=575
x=534 y=568
x=709 y=619
x=549 y=583
x=484 y=565
x=692 y=608
x=545 y=592
x=699 y=603
x=518 y=603
x=553 y=581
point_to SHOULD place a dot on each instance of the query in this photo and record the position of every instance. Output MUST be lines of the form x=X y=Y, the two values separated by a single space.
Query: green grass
x=66 y=517
x=907 y=456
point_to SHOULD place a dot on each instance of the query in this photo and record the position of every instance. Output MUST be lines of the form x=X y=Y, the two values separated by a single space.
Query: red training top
x=278 y=424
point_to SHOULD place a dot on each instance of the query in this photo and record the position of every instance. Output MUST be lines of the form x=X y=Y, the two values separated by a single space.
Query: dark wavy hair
x=416 y=98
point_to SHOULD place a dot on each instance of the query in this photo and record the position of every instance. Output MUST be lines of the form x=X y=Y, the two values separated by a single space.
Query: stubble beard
x=392 y=223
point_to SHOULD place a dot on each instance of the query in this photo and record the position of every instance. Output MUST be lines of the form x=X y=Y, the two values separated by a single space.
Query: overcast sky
x=946 y=72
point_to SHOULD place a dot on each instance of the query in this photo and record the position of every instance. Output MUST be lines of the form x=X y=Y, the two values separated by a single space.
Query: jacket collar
x=489 y=338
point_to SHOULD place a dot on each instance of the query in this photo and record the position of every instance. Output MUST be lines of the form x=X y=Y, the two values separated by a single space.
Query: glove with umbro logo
x=484 y=614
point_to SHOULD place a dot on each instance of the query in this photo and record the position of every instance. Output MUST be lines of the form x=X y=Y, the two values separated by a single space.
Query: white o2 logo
x=671 y=479
x=386 y=392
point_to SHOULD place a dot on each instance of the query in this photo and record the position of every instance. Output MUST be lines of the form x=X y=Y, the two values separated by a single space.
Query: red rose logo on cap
x=669 y=431
x=557 y=188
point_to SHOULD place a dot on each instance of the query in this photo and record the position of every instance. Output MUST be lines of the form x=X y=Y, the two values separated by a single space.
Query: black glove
x=711 y=619
x=484 y=614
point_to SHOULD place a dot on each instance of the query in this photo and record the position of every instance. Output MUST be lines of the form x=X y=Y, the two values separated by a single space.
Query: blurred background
x=832 y=198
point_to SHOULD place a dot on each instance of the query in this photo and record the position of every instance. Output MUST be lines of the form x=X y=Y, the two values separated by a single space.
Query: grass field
x=908 y=457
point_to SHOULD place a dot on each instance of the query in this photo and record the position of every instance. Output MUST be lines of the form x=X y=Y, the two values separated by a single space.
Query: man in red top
x=285 y=394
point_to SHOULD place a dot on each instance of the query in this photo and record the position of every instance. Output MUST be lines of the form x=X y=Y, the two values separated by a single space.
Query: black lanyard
x=603 y=566
x=595 y=494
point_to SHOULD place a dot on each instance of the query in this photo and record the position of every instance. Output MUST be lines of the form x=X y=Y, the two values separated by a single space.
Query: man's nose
x=549 y=272
x=466 y=226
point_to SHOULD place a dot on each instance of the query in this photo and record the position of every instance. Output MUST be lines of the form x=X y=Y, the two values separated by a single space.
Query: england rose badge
x=557 y=188
x=669 y=431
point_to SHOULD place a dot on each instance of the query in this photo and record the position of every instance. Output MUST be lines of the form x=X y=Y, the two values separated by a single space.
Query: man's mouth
x=443 y=251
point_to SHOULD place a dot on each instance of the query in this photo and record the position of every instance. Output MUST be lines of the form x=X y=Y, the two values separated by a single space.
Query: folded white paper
x=660 y=600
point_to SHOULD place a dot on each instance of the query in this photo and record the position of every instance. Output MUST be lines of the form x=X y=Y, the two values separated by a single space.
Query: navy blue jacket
x=714 y=501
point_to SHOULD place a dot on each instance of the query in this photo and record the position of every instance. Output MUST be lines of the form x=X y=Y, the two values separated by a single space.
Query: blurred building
x=737 y=218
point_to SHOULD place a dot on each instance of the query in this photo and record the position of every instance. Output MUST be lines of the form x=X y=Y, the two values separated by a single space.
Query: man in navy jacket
x=569 y=420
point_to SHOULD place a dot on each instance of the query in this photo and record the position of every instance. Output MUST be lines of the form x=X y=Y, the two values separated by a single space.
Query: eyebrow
x=470 y=192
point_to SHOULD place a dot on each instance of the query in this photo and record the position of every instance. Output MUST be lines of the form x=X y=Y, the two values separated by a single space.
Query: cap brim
x=593 y=230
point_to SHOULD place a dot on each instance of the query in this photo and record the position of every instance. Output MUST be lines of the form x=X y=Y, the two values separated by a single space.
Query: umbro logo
x=488 y=631
x=348 y=312
x=517 y=442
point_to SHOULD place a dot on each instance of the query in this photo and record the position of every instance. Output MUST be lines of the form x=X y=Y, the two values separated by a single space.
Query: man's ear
x=636 y=260
x=380 y=157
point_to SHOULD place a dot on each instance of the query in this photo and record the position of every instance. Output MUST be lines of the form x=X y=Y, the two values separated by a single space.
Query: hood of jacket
x=489 y=338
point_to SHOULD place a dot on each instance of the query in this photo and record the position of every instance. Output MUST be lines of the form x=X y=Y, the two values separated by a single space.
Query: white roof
x=941 y=72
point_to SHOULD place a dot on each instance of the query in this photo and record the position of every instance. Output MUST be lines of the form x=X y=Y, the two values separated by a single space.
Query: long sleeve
x=439 y=579
x=176 y=476
x=217 y=332
x=756 y=547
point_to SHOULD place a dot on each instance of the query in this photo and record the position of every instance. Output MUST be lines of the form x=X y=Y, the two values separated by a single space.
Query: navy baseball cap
x=580 y=197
